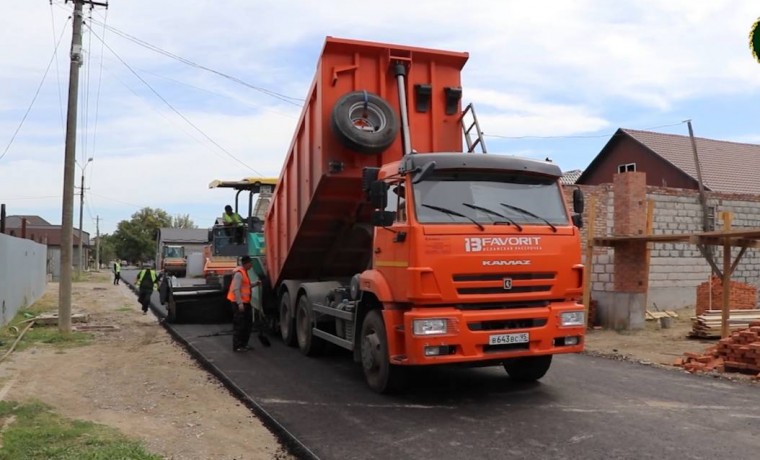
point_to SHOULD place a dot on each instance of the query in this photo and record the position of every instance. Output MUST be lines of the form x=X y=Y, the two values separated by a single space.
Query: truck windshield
x=478 y=196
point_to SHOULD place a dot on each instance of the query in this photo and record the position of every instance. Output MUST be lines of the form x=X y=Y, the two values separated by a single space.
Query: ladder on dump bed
x=471 y=145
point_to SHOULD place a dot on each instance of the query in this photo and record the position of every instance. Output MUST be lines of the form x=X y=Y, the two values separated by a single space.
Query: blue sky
x=548 y=78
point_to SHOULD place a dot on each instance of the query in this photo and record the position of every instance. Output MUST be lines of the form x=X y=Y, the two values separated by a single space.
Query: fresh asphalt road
x=586 y=407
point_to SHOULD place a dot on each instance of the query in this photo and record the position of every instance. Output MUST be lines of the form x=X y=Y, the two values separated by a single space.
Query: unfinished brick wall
x=630 y=191
x=742 y=296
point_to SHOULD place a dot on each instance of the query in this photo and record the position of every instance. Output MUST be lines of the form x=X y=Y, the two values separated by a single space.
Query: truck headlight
x=429 y=326
x=572 y=318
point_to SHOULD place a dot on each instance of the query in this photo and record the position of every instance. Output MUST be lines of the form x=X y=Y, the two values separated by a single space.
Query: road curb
x=286 y=438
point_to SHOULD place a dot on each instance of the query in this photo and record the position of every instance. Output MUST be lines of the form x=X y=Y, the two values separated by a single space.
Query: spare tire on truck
x=364 y=122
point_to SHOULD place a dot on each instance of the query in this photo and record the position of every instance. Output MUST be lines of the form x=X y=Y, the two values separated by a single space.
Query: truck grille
x=500 y=325
x=493 y=283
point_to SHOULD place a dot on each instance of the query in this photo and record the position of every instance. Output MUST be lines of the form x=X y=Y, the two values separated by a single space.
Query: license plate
x=506 y=339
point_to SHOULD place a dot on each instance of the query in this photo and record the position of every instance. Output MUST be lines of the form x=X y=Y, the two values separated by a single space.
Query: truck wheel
x=309 y=345
x=381 y=375
x=287 y=324
x=364 y=122
x=528 y=368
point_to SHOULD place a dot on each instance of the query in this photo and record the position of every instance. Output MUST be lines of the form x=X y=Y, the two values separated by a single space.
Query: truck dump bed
x=317 y=224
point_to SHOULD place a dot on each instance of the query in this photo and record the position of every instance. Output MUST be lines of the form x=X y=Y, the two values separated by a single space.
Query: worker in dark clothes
x=239 y=296
x=146 y=282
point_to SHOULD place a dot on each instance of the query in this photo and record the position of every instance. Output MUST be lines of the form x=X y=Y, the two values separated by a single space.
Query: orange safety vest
x=245 y=287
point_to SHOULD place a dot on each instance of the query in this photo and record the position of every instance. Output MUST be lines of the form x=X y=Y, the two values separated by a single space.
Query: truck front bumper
x=479 y=336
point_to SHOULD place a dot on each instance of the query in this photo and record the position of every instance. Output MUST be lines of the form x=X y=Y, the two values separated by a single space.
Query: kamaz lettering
x=501 y=263
x=508 y=243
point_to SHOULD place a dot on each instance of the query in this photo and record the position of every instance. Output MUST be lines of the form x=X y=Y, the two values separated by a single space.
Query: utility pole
x=67 y=217
x=97 y=244
x=81 y=207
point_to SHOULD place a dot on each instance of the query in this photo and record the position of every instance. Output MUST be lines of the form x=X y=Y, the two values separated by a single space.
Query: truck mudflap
x=199 y=304
x=479 y=336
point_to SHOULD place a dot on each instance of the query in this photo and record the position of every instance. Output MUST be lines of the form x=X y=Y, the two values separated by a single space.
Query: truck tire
x=364 y=122
x=528 y=368
x=287 y=322
x=381 y=375
x=307 y=342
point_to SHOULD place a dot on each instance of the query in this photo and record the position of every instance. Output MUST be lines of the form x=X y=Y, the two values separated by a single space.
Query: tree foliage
x=183 y=221
x=134 y=239
x=107 y=249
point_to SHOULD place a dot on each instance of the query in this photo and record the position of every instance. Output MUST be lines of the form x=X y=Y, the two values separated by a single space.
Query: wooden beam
x=648 y=251
x=724 y=329
x=589 y=265
x=738 y=259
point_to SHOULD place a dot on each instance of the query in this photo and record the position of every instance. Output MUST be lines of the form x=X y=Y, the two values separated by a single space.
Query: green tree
x=135 y=239
x=183 y=221
x=107 y=249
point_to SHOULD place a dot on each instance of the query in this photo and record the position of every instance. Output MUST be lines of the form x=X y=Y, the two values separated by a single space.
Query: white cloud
x=541 y=68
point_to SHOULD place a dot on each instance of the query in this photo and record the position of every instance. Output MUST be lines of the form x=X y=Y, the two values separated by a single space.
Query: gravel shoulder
x=137 y=380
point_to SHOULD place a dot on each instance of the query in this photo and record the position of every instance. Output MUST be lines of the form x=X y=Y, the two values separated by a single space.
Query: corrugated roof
x=728 y=167
x=569 y=177
x=184 y=235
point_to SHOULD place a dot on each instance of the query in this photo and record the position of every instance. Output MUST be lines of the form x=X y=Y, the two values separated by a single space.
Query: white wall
x=22 y=274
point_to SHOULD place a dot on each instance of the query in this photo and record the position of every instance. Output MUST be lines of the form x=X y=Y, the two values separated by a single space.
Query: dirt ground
x=653 y=345
x=138 y=381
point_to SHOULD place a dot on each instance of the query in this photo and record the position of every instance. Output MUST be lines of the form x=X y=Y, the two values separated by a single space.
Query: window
x=396 y=201
x=489 y=197
x=628 y=167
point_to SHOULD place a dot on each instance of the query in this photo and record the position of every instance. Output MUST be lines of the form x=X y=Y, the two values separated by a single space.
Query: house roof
x=569 y=177
x=184 y=235
x=35 y=221
x=727 y=167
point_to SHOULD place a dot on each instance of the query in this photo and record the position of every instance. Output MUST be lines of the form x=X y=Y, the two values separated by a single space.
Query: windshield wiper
x=528 y=213
x=453 y=213
x=488 y=211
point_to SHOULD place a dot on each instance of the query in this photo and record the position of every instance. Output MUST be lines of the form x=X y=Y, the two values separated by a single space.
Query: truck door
x=393 y=243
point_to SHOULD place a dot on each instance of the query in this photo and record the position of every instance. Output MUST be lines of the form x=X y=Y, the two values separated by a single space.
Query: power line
x=591 y=136
x=36 y=93
x=57 y=71
x=170 y=105
x=97 y=97
x=285 y=98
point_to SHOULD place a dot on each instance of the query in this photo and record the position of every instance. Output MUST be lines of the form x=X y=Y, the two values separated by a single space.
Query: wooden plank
x=588 y=269
x=726 y=276
x=648 y=250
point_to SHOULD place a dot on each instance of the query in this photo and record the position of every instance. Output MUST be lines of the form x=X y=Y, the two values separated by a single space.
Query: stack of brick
x=740 y=352
x=710 y=295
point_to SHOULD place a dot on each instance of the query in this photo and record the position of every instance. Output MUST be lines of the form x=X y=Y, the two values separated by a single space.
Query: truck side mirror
x=382 y=218
x=378 y=194
x=578 y=220
x=578 y=201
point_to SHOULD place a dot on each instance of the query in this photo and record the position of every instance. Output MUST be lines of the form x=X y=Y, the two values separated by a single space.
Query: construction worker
x=146 y=282
x=116 y=272
x=239 y=296
x=233 y=223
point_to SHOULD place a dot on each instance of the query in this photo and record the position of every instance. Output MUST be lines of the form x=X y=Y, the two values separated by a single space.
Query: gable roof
x=34 y=221
x=728 y=167
x=184 y=235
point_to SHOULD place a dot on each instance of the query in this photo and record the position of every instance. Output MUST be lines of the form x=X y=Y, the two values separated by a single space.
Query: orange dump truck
x=387 y=237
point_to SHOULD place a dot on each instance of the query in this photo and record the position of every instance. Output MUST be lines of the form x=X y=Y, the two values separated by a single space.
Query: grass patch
x=38 y=433
x=125 y=309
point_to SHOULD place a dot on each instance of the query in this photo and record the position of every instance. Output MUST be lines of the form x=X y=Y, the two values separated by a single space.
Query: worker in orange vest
x=239 y=296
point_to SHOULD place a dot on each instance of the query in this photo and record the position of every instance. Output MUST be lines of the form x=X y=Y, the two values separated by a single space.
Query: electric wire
x=174 y=109
x=283 y=97
x=36 y=93
x=57 y=70
x=580 y=136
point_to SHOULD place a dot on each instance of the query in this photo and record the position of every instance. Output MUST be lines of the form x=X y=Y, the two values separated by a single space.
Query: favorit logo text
x=499 y=244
